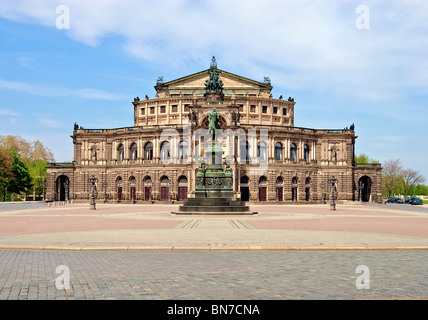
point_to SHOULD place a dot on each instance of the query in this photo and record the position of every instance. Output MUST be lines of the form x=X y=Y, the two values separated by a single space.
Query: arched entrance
x=245 y=188
x=132 y=189
x=119 y=189
x=364 y=189
x=279 y=189
x=148 y=188
x=165 y=196
x=308 y=189
x=294 y=189
x=182 y=188
x=262 y=188
x=62 y=187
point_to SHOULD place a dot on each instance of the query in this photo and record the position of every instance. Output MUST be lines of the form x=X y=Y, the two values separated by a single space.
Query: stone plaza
x=144 y=252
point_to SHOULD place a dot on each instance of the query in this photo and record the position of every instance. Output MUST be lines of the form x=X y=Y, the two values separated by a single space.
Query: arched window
x=183 y=150
x=306 y=153
x=165 y=180
x=294 y=181
x=165 y=151
x=148 y=151
x=293 y=152
x=261 y=150
x=278 y=151
x=262 y=180
x=244 y=152
x=120 y=152
x=279 y=180
x=133 y=150
x=244 y=180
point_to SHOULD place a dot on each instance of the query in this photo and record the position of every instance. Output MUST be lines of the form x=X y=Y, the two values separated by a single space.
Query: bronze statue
x=213 y=123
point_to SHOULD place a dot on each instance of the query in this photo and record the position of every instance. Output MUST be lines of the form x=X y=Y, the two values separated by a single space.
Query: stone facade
x=271 y=159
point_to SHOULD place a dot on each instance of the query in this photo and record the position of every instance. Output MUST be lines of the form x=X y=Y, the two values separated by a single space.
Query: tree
x=364 y=159
x=28 y=151
x=391 y=176
x=37 y=170
x=6 y=166
x=410 y=178
x=421 y=189
x=20 y=180
x=33 y=158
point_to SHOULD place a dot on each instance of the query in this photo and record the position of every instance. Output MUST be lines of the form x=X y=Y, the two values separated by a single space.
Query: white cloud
x=8 y=112
x=300 y=44
x=51 y=123
x=52 y=91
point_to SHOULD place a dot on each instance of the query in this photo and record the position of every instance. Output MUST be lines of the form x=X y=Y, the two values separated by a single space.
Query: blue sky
x=314 y=51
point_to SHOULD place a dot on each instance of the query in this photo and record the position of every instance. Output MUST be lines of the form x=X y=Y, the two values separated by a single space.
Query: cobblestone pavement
x=205 y=275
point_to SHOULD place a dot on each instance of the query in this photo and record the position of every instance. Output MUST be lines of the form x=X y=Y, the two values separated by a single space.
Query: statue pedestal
x=214 y=190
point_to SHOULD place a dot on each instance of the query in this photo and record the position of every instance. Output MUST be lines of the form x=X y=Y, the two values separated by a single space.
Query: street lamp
x=105 y=191
x=92 y=180
x=361 y=187
x=333 y=182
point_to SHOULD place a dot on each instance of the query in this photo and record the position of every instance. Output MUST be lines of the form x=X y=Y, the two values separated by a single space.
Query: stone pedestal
x=214 y=189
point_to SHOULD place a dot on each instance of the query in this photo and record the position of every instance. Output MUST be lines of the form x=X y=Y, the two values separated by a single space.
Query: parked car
x=415 y=201
x=394 y=200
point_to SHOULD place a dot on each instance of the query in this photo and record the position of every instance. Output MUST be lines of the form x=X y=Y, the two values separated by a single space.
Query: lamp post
x=105 y=191
x=361 y=187
x=333 y=182
x=92 y=180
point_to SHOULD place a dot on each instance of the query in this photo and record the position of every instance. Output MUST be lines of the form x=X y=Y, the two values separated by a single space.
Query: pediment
x=197 y=82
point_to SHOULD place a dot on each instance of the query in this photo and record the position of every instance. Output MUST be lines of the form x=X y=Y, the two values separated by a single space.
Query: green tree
x=421 y=189
x=364 y=159
x=6 y=166
x=20 y=181
x=34 y=156
x=37 y=170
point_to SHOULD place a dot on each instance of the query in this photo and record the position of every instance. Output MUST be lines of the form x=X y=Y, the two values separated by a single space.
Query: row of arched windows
x=183 y=151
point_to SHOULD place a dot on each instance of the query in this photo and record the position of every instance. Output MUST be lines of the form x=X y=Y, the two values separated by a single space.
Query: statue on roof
x=159 y=80
x=213 y=63
x=214 y=84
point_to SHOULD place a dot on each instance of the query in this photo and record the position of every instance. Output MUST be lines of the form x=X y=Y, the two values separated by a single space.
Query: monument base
x=214 y=206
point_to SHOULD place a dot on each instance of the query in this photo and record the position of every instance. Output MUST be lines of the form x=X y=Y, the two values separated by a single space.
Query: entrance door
x=262 y=193
x=133 y=194
x=294 y=194
x=164 y=193
x=182 y=193
x=119 y=193
x=364 y=186
x=62 y=188
x=307 y=192
x=279 y=193
x=147 y=193
x=245 y=194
